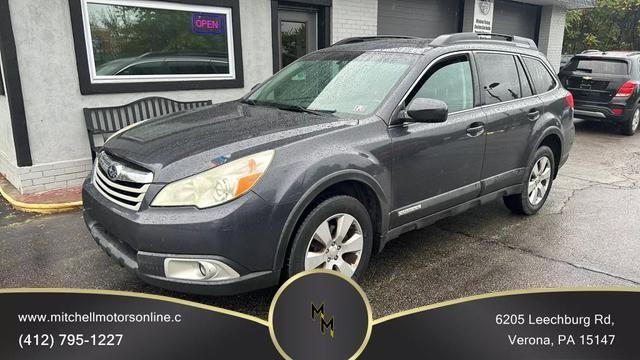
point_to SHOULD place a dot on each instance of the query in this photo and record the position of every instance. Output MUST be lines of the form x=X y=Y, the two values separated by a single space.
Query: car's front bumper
x=241 y=234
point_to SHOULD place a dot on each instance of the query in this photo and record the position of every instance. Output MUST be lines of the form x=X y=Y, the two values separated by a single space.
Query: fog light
x=203 y=270
x=197 y=269
x=207 y=270
x=618 y=111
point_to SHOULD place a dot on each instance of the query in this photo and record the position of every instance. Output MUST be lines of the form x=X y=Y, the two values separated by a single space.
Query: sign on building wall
x=483 y=16
x=208 y=24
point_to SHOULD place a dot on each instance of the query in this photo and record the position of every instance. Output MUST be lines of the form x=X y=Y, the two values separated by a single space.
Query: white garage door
x=513 y=18
x=422 y=18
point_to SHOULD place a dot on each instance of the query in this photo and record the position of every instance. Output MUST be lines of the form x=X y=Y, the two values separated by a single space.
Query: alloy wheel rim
x=336 y=244
x=636 y=120
x=539 y=180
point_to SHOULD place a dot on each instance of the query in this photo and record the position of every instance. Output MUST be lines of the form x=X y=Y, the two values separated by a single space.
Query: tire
x=630 y=126
x=522 y=203
x=307 y=240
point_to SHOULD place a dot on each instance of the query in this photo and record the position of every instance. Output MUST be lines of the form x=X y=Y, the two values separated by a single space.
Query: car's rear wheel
x=536 y=185
x=335 y=235
x=631 y=125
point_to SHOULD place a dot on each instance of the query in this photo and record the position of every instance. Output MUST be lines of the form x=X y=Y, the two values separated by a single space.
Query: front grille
x=127 y=188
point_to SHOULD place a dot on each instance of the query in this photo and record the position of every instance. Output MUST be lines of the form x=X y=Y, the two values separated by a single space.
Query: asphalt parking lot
x=586 y=235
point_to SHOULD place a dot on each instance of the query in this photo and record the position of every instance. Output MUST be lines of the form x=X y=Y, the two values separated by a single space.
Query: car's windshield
x=342 y=83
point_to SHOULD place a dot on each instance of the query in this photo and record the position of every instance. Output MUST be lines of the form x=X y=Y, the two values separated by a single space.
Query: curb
x=40 y=208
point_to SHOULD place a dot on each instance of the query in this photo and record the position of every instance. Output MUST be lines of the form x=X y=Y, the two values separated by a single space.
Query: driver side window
x=449 y=81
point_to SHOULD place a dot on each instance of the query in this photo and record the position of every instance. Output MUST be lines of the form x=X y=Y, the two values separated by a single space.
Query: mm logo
x=324 y=324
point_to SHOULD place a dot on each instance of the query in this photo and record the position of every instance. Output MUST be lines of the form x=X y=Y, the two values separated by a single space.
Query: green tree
x=612 y=25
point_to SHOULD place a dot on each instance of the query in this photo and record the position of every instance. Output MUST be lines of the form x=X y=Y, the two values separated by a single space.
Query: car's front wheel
x=536 y=185
x=336 y=235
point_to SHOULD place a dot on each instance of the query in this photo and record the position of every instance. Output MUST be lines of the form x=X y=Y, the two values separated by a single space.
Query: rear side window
x=189 y=67
x=499 y=79
x=149 y=68
x=543 y=81
x=449 y=81
x=525 y=85
x=599 y=66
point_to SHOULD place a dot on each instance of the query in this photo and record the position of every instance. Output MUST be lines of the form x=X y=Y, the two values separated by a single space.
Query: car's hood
x=186 y=143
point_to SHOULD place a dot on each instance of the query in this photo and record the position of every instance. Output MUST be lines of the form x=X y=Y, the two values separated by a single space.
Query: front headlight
x=216 y=186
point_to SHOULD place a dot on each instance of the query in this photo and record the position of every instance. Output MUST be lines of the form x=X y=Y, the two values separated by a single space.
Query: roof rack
x=181 y=54
x=468 y=37
x=618 y=53
x=359 y=39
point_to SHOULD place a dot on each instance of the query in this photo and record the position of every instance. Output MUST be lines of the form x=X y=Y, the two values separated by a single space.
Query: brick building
x=60 y=56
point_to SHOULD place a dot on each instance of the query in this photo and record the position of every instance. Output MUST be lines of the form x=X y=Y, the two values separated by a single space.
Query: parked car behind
x=166 y=64
x=337 y=154
x=565 y=59
x=605 y=87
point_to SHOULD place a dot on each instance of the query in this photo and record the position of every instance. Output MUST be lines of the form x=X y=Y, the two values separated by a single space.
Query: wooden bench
x=104 y=121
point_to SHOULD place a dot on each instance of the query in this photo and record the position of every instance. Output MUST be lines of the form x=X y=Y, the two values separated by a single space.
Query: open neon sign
x=208 y=24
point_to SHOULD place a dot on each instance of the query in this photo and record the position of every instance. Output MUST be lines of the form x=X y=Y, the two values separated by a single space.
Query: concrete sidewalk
x=45 y=202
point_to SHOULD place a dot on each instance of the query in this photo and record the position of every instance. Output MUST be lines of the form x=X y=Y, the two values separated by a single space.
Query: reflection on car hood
x=191 y=142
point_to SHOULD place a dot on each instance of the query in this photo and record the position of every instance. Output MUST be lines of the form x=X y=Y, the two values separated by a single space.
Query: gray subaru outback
x=334 y=156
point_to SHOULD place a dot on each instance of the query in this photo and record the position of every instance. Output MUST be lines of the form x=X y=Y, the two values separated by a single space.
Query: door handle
x=534 y=114
x=475 y=129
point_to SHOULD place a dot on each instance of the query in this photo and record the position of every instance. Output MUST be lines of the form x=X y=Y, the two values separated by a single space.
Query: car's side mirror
x=426 y=111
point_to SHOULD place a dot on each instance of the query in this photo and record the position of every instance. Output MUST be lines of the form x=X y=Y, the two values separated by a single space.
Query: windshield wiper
x=248 y=101
x=288 y=107
x=303 y=109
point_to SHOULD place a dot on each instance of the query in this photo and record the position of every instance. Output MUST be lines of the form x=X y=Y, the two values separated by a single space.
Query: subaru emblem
x=112 y=172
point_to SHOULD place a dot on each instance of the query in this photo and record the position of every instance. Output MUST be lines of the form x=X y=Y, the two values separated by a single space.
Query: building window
x=132 y=45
